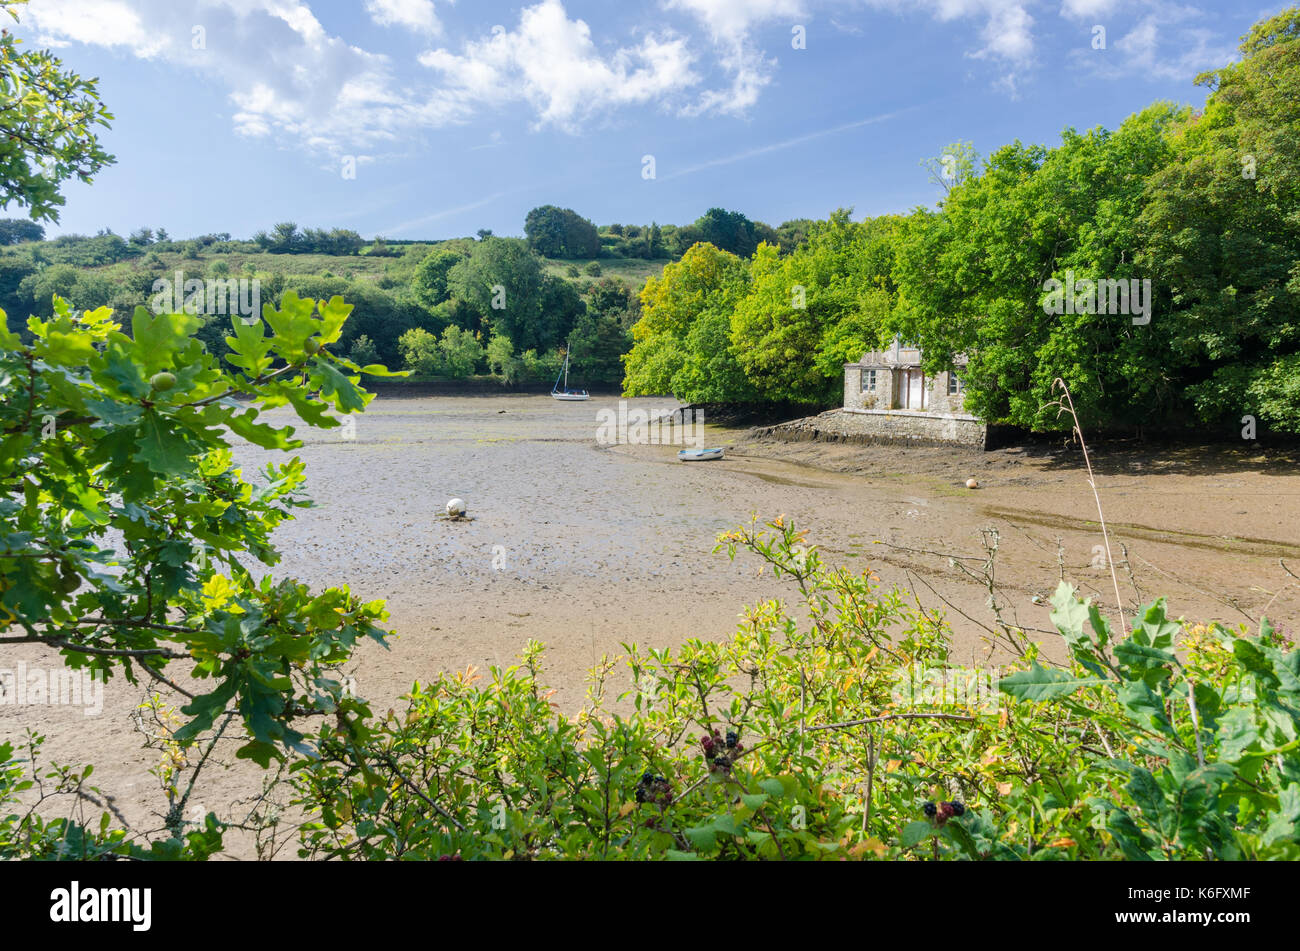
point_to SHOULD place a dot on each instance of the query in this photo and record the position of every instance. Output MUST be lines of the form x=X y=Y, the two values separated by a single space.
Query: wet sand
x=584 y=546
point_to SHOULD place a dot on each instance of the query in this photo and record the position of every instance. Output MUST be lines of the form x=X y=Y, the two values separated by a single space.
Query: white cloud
x=284 y=73
x=730 y=26
x=1087 y=9
x=552 y=63
x=1163 y=43
x=413 y=14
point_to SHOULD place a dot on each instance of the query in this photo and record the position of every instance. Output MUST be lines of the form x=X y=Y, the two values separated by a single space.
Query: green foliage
x=48 y=119
x=971 y=278
x=596 y=348
x=461 y=352
x=285 y=238
x=420 y=353
x=501 y=281
x=682 y=342
x=363 y=351
x=732 y=231
x=430 y=282
x=16 y=231
x=810 y=311
x=1222 y=229
x=561 y=233
x=128 y=532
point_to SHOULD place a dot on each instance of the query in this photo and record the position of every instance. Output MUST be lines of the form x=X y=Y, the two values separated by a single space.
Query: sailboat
x=566 y=393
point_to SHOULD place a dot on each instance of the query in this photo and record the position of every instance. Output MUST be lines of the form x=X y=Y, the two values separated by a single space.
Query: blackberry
x=929 y=809
x=722 y=762
x=958 y=808
x=707 y=743
x=732 y=739
x=945 y=812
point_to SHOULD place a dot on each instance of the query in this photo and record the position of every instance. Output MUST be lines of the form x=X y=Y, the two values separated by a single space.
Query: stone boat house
x=887 y=397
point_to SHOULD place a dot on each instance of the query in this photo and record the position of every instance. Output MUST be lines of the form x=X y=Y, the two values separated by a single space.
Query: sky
x=425 y=119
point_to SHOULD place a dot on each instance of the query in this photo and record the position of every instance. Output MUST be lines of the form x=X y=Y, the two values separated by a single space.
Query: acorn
x=311 y=346
x=162 y=382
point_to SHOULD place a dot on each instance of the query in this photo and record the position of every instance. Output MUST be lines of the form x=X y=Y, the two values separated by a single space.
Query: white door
x=915 y=390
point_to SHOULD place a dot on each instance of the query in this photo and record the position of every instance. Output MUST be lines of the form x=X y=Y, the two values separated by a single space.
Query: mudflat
x=584 y=545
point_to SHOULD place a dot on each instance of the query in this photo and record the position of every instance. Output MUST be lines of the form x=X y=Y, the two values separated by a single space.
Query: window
x=868 y=381
x=954 y=384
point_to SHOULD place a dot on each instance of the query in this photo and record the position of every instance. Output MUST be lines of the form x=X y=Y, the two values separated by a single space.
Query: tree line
x=1189 y=219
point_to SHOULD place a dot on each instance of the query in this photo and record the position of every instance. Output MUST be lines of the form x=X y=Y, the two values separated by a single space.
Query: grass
x=631 y=271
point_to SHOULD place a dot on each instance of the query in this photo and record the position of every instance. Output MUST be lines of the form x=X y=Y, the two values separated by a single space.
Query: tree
x=420 y=352
x=501 y=281
x=597 y=346
x=561 y=233
x=728 y=230
x=974 y=278
x=429 y=285
x=1221 y=231
x=681 y=344
x=16 y=231
x=48 y=119
x=363 y=352
x=809 y=311
x=461 y=352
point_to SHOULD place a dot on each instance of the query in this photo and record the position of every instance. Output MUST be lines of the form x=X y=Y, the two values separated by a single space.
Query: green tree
x=561 y=233
x=48 y=120
x=461 y=352
x=681 y=344
x=730 y=231
x=16 y=231
x=501 y=281
x=809 y=311
x=363 y=352
x=430 y=282
x=420 y=352
x=1221 y=230
x=597 y=346
x=973 y=278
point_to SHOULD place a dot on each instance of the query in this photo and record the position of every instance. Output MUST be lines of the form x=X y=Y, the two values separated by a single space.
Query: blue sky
x=232 y=115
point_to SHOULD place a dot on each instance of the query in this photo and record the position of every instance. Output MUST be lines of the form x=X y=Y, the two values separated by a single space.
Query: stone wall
x=887 y=427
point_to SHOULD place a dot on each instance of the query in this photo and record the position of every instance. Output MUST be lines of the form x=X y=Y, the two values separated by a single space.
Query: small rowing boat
x=700 y=455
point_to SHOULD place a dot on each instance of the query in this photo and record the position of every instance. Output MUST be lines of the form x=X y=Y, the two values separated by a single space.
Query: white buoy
x=972 y=484
x=456 y=507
